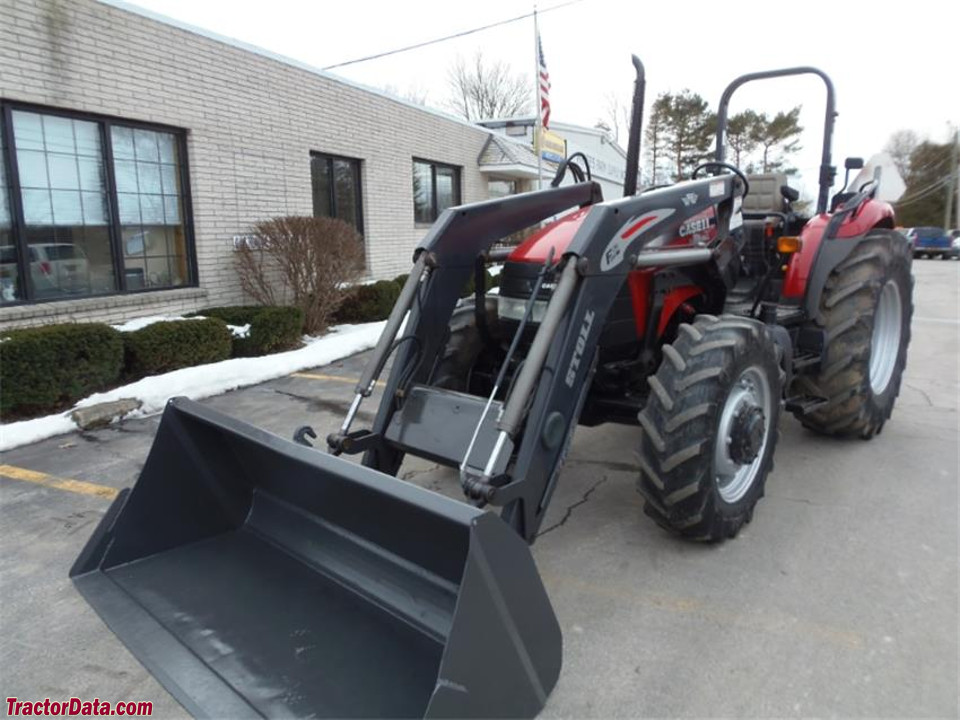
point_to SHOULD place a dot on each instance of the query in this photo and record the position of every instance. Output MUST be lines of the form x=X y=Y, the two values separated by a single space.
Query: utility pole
x=953 y=185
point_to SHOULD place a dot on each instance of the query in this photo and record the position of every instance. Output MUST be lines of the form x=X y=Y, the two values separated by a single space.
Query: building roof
x=526 y=120
x=500 y=150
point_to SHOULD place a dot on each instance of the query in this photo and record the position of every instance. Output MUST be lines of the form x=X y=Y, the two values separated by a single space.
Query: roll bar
x=827 y=171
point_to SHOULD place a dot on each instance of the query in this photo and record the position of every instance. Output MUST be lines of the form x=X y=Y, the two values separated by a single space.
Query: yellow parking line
x=335 y=378
x=75 y=486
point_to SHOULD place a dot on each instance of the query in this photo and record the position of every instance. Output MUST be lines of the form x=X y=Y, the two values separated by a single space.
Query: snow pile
x=205 y=380
x=140 y=323
x=240 y=331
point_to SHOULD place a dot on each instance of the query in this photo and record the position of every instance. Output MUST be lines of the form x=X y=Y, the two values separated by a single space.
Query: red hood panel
x=556 y=235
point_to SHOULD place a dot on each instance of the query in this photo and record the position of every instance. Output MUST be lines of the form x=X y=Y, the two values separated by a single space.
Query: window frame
x=8 y=164
x=458 y=182
x=358 y=185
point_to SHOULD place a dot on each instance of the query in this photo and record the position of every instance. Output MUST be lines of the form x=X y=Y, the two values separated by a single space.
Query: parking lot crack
x=922 y=392
x=570 y=508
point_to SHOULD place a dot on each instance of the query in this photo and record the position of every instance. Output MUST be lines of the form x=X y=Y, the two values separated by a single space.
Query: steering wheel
x=726 y=166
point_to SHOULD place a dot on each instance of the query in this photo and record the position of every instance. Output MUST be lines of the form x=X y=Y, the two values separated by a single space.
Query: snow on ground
x=140 y=323
x=204 y=381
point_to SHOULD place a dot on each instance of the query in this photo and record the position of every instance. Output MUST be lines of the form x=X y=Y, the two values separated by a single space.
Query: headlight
x=510 y=308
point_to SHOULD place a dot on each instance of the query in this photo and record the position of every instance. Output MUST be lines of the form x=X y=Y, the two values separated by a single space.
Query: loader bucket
x=256 y=577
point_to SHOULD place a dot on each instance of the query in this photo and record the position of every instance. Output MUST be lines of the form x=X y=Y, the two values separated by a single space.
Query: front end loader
x=255 y=576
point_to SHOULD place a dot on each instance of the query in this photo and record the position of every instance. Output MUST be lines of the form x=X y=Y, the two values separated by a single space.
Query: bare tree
x=414 y=93
x=303 y=261
x=900 y=147
x=481 y=89
x=616 y=116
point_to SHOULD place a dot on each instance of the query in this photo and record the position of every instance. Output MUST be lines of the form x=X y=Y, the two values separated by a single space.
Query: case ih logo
x=613 y=253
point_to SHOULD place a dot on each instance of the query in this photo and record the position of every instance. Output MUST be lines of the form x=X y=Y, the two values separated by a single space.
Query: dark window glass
x=422 y=193
x=146 y=165
x=84 y=228
x=64 y=194
x=336 y=188
x=436 y=187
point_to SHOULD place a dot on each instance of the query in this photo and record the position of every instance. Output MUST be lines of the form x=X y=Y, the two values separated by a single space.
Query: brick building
x=136 y=150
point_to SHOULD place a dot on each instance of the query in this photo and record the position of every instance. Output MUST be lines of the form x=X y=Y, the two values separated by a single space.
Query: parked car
x=8 y=273
x=954 y=244
x=931 y=242
x=55 y=269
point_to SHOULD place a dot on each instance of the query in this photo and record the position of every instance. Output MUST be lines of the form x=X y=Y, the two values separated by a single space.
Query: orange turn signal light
x=787 y=244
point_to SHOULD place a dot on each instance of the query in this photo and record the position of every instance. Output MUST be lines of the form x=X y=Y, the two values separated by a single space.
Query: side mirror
x=788 y=193
x=851 y=163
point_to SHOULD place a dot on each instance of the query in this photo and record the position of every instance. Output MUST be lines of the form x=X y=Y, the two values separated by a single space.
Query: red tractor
x=696 y=310
x=257 y=576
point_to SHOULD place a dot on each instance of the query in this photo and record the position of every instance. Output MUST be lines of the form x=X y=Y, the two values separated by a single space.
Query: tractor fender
x=829 y=255
x=811 y=266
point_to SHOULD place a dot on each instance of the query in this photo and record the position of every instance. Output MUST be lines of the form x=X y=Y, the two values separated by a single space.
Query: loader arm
x=517 y=448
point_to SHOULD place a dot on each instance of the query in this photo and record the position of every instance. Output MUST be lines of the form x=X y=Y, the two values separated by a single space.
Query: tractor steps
x=804 y=404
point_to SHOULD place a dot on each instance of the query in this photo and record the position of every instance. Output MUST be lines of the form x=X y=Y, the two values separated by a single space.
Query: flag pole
x=538 y=127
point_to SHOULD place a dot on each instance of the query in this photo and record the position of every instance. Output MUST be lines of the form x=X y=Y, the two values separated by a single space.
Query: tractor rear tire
x=709 y=428
x=865 y=313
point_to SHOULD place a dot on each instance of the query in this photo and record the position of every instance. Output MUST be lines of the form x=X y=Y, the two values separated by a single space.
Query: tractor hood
x=556 y=236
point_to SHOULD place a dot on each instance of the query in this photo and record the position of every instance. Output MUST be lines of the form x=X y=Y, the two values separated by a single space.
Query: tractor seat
x=764 y=195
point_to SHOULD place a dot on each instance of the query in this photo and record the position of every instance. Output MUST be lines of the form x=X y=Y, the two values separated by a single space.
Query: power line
x=451 y=37
x=923 y=193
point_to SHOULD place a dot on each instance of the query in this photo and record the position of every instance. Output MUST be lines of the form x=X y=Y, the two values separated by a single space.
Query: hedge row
x=272 y=329
x=369 y=303
x=46 y=368
x=42 y=369
x=165 y=346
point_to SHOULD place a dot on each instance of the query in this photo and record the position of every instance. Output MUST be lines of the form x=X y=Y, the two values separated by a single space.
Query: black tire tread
x=678 y=426
x=846 y=315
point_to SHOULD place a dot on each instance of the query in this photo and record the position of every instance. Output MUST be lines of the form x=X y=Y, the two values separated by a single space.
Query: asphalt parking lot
x=839 y=599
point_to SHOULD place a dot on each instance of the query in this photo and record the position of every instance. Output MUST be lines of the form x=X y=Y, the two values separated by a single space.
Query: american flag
x=544 y=86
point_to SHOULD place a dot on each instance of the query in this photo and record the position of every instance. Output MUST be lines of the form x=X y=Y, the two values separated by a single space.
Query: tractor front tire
x=709 y=428
x=865 y=312
x=463 y=347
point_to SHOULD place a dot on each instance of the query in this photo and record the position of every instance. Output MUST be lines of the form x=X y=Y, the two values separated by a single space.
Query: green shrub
x=166 y=346
x=42 y=368
x=490 y=282
x=401 y=280
x=273 y=329
x=368 y=303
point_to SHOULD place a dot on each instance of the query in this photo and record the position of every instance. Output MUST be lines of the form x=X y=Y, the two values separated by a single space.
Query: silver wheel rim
x=751 y=390
x=885 y=343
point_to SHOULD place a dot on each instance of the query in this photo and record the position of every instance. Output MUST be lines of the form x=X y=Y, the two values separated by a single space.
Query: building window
x=336 y=188
x=90 y=206
x=147 y=169
x=436 y=187
x=501 y=188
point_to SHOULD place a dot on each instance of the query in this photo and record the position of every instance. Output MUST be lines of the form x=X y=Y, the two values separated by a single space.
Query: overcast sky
x=892 y=70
